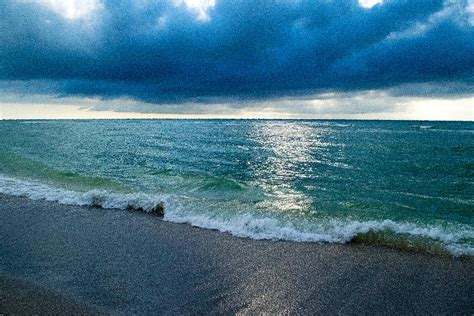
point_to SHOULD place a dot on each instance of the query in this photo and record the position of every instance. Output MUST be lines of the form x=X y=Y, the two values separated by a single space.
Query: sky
x=375 y=59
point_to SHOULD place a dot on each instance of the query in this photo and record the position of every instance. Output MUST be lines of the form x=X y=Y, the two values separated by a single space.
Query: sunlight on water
x=290 y=146
x=322 y=181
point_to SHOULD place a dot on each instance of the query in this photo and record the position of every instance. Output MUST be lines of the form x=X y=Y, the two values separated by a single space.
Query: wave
x=455 y=240
x=195 y=181
x=436 y=239
x=17 y=165
x=97 y=198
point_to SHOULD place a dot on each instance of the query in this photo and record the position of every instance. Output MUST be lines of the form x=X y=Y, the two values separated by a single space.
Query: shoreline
x=401 y=235
x=123 y=262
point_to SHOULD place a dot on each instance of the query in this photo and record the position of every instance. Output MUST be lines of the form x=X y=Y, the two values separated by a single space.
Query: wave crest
x=334 y=231
x=96 y=198
x=457 y=240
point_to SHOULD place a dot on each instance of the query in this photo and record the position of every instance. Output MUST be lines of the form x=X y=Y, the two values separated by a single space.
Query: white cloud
x=72 y=9
x=199 y=7
x=453 y=10
x=369 y=3
x=470 y=11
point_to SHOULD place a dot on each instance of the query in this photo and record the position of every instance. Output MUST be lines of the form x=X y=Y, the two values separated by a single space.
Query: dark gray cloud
x=163 y=52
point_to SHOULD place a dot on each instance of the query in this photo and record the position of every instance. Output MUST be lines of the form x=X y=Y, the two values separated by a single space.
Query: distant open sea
x=402 y=184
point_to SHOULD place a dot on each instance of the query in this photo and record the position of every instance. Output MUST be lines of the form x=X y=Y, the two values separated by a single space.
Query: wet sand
x=20 y=298
x=67 y=259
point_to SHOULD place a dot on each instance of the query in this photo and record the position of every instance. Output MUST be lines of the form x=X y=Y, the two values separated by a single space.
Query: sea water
x=398 y=183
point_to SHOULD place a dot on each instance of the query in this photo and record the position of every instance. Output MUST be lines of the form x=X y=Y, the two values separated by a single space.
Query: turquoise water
x=402 y=184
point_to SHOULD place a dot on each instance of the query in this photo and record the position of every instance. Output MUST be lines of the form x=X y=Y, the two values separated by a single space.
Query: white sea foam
x=39 y=191
x=331 y=231
x=244 y=225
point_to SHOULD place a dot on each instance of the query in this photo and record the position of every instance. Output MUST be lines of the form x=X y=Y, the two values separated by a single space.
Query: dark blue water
x=407 y=184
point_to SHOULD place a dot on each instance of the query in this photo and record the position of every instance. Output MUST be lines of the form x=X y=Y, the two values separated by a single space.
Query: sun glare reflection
x=290 y=148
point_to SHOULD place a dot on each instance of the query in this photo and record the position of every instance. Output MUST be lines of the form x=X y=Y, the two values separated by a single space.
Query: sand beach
x=71 y=259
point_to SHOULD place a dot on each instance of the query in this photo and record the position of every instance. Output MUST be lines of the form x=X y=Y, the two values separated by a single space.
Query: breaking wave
x=97 y=198
x=456 y=240
x=430 y=238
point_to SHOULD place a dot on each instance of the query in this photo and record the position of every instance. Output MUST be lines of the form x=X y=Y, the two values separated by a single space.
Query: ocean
x=401 y=184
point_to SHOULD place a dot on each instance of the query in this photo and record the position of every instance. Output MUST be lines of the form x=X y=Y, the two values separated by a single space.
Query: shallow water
x=388 y=182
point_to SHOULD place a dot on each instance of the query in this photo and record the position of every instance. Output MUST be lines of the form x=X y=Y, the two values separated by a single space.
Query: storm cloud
x=180 y=51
